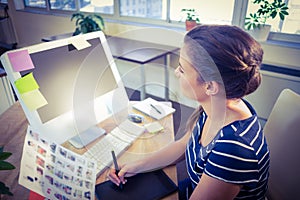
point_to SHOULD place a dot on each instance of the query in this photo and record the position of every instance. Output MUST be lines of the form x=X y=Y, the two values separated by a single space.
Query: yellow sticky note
x=80 y=43
x=154 y=127
x=26 y=83
x=33 y=99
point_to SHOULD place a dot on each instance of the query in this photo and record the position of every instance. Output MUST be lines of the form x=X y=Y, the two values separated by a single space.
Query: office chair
x=282 y=132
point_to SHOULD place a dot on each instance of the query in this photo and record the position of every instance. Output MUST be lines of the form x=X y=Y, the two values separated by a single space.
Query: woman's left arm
x=211 y=188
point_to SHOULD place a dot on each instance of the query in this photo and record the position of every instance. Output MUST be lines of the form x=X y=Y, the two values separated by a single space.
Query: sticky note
x=34 y=99
x=26 y=83
x=154 y=127
x=80 y=43
x=20 y=60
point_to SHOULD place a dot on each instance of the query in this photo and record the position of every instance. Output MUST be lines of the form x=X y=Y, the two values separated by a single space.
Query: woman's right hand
x=126 y=170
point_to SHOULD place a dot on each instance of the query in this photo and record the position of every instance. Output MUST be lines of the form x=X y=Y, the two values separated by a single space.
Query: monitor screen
x=82 y=87
x=56 y=71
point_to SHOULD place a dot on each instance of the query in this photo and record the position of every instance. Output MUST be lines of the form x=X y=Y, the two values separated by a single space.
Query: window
x=207 y=10
x=63 y=4
x=154 y=9
x=291 y=24
x=98 y=6
x=35 y=3
x=168 y=12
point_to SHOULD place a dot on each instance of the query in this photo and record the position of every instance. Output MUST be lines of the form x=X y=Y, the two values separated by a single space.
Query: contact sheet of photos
x=55 y=172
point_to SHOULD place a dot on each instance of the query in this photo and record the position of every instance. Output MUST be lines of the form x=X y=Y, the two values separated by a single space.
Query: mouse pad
x=146 y=186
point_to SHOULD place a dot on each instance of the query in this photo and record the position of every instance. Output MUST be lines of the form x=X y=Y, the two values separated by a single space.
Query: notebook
x=153 y=108
x=146 y=186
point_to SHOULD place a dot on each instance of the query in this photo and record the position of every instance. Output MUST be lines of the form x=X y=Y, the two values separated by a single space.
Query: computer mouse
x=136 y=118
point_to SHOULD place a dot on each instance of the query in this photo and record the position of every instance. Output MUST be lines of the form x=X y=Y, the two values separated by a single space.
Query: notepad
x=153 y=108
x=146 y=186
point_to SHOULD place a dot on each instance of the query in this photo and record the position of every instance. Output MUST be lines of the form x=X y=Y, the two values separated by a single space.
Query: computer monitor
x=82 y=86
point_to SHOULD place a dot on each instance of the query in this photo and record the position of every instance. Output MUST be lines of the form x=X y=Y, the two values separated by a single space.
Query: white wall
x=264 y=98
x=282 y=55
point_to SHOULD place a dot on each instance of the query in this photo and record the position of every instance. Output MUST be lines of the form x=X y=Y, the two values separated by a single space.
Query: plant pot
x=190 y=24
x=261 y=33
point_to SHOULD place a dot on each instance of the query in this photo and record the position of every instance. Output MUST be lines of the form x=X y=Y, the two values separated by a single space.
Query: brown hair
x=236 y=55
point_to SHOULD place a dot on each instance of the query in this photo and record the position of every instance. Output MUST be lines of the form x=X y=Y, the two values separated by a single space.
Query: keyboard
x=118 y=140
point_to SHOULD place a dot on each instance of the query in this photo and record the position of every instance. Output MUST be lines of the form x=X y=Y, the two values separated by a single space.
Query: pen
x=155 y=108
x=116 y=167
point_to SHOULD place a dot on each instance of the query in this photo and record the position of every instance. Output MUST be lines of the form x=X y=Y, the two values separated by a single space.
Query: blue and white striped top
x=238 y=154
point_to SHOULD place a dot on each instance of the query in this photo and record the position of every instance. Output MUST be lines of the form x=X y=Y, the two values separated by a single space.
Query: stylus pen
x=116 y=167
x=154 y=107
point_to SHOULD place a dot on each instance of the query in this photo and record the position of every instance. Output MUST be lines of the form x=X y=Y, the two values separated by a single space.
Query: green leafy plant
x=265 y=11
x=87 y=23
x=5 y=166
x=190 y=15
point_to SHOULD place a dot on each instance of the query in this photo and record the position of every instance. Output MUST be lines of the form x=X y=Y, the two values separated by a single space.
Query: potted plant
x=87 y=23
x=4 y=190
x=191 y=18
x=256 y=22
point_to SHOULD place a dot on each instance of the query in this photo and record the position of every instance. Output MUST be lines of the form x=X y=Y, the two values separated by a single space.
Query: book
x=153 y=108
x=147 y=186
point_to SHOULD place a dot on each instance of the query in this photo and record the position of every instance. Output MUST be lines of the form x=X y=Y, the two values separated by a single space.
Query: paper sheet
x=55 y=172
x=153 y=108
x=20 y=60
x=80 y=43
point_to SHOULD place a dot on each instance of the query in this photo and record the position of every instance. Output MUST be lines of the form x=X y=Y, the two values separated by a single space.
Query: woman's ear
x=212 y=88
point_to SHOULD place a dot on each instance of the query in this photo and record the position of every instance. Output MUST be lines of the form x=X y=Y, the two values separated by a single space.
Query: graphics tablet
x=147 y=186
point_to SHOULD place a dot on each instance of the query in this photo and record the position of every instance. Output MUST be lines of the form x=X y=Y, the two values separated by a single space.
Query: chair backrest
x=282 y=132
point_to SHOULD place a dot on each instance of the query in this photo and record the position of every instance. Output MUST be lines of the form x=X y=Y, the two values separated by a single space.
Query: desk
x=142 y=53
x=13 y=126
x=135 y=51
x=146 y=144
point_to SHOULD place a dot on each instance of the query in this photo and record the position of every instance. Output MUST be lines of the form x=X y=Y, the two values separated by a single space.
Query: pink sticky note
x=20 y=60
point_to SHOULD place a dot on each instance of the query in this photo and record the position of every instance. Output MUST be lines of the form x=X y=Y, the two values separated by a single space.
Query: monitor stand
x=84 y=138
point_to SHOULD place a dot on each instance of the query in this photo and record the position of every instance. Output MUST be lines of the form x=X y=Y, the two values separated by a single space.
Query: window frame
x=238 y=18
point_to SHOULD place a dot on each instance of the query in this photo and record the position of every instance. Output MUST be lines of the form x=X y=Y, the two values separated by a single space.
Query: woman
x=225 y=150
